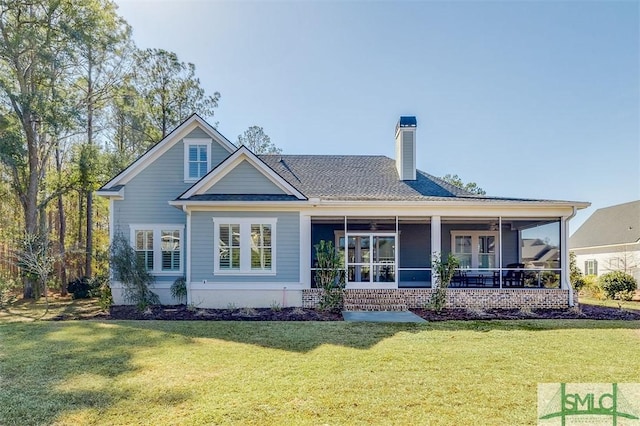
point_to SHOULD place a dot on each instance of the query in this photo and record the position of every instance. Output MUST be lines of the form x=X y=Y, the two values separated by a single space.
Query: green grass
x=635 y=305
x=137 y=372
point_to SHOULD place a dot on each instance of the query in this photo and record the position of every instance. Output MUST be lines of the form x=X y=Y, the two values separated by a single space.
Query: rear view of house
x=241 y=228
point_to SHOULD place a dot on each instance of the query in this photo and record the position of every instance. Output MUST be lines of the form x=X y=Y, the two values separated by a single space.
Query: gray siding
x=287 y=247
x=147 y=195
x=408 y=162
x=245 y=179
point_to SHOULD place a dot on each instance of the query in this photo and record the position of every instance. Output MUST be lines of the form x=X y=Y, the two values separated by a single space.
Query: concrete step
x=375 y=307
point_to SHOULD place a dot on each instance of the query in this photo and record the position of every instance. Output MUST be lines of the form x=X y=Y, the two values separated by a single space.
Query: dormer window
x=197 y=158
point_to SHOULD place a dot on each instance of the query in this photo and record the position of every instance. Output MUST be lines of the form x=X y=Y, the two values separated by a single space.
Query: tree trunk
x=62 y=230
x=89 y=229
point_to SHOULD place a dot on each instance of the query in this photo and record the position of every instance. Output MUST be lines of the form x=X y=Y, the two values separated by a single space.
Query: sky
x=529 y=99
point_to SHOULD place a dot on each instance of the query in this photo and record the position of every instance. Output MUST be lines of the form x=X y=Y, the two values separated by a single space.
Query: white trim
x=217 y=285
x=112 y=195
x=368 y=233
x=157 y=245
x=474 y=234
x=245 y=245
x=623 y=245
x=230 y=163
x=188 y=142
x=305 y=250
x=165 y=144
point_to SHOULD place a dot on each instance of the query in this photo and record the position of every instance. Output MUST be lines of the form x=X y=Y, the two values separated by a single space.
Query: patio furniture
x=514 y=276
x=459 y=279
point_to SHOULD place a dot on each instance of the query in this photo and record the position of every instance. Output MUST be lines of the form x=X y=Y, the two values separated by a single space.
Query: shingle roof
x=355 y=177
x=618 y=224
x=362 y=177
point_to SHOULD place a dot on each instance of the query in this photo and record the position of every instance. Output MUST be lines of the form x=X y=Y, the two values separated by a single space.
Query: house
x=241 y=228
x=609 y=240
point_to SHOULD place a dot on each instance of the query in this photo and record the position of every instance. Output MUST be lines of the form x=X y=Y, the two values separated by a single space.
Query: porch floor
x=381 y=316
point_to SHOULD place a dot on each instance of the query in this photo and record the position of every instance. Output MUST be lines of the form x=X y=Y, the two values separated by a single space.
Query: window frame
x=372 y=264
x=157 y=245
x=475 y=251
x=591 y=265
x=245 y=245
x=188 y=143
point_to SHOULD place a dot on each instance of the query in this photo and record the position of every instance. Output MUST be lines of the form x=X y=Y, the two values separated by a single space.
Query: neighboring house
x=241 y=228
x=609 y=241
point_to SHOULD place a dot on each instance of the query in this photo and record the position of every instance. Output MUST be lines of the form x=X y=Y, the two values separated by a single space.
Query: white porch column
x=564 y=258
x=305 y=250
x=436 y=242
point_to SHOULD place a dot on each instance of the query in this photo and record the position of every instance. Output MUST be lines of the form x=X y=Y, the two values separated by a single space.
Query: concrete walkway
x=381 y=316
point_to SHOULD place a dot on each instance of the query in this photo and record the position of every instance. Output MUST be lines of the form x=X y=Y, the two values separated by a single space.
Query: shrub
x=83 y=288
x=8 y=289
x=131 y=271
x=443 y=273
x=592 y=288
x=179 y=289
x=329 y=277
x=616 y=282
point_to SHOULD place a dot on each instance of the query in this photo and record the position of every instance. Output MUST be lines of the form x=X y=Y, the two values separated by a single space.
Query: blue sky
x=528 y=99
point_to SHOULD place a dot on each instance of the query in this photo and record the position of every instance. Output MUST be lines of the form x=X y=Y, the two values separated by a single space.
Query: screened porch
x=395 y=252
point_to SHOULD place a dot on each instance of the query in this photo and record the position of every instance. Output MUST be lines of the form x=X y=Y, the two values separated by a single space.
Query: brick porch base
x=538 y=298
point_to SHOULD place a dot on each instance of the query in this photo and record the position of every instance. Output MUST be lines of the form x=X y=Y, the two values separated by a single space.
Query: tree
x=101 y=40
x=170 y=90
x=258 y=141
x=455 y=180
x=34 y=58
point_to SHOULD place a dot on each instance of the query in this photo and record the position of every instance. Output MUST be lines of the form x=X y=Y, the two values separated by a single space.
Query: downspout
x=187 y=263
x=565 y=252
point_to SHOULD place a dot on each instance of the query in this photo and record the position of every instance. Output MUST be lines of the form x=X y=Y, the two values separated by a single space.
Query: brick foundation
x=538 y=298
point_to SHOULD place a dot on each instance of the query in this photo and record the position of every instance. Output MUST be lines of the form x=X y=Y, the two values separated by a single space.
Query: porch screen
x=370 y=257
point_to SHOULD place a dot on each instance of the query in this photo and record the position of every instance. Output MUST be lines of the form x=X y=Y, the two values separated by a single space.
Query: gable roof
x=186 y=127
x=618 y=224
x=241 y=155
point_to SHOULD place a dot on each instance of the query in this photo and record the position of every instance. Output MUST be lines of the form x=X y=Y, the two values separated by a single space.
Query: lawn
x=624 y=304
x=155 y=372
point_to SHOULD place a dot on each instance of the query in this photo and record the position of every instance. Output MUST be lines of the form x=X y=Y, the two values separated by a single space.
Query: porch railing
x=529 y=278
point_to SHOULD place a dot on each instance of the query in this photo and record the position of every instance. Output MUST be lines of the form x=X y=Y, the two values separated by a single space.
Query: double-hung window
x=244 y=246
x=475 y=249
x=159 y=247
x=197 y=158
x=591 y=267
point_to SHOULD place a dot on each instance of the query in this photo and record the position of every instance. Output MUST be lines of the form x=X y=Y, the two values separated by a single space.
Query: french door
x=370 y=259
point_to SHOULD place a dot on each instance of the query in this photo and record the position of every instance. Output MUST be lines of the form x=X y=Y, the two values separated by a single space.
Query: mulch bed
x=182 y=312
x=584 y=312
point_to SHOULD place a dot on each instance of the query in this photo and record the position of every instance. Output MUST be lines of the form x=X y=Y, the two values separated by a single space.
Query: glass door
x=369 y=257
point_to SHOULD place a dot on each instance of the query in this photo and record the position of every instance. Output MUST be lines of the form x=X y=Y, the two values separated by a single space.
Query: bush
x=179 y=289
x=443 y=270
x=615 y=282
x=131 y=271
x=578 y=283
x=592 y=288
x=328 y=276
x=8 y=290
x=84 y=288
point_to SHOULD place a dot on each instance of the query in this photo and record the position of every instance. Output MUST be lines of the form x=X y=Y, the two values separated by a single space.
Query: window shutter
x=586 y=267
x=595 y=267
